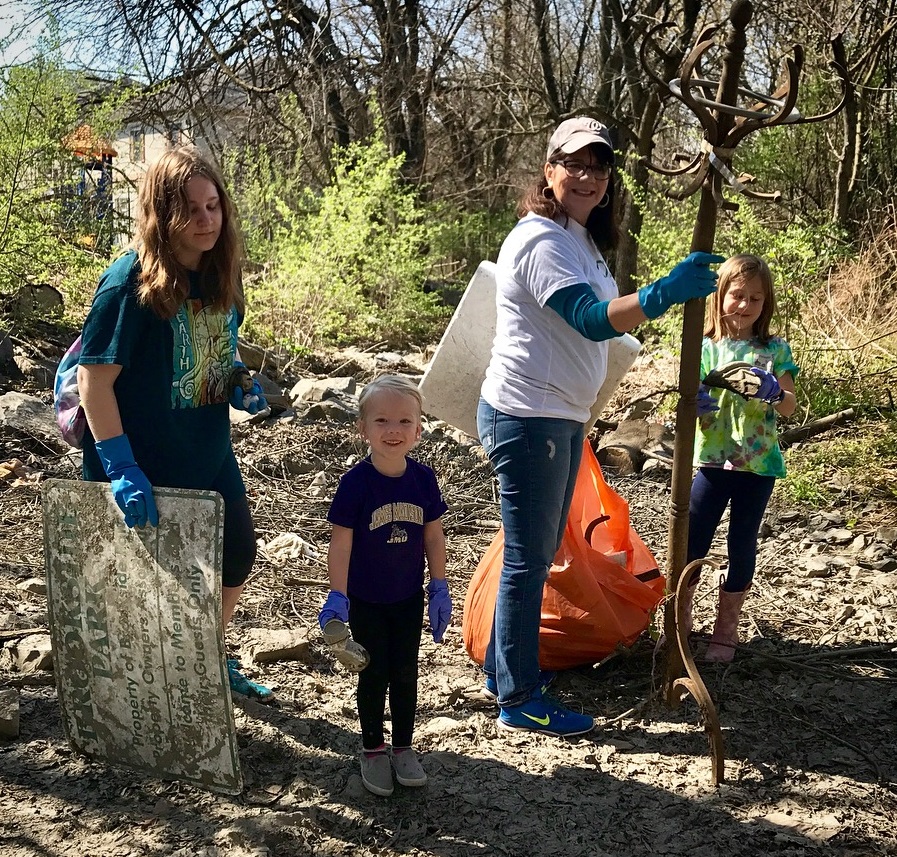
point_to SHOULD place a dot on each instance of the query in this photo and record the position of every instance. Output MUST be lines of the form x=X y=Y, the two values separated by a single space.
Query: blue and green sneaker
x=244 y=686
x=544 y=715
x=490 y=688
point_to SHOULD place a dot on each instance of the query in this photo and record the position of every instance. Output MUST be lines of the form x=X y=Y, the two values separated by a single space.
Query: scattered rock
x=817 y=567
x=389 y=359
x=888 y=535
x=30 y=416
x=330 y=409
x=10 y=621
x=274 y=395
x=33 y=586
x=318 y=487
x=318 y=389
x=265 y=645
x=644 y=773
x=32 y=654
x=38 y=371
x=440 y=726
x=9 y=714
x=39 y=300
x=626 y=448
x=260 y=359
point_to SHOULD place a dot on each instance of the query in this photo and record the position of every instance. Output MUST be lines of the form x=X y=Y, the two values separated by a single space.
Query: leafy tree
x=46 y=232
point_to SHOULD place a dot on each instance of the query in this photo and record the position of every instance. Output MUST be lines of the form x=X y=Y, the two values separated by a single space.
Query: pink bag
x=66 y=400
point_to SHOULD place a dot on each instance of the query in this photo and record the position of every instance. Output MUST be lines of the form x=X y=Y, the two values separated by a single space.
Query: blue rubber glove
x=439 y=610
x=131 y=489
x=248 y=395
x=335 y=607
x=769 y=390
x=691 y=278
x=706 y=403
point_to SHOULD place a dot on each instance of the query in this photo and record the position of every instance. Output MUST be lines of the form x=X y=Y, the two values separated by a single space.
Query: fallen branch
x=800 y=662
x=30 y=680
x=882 y=648
x=786 y=438
x=304 y=581
x=21 y=632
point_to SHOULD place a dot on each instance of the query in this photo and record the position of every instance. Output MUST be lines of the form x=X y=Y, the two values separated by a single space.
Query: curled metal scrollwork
x=727 y=112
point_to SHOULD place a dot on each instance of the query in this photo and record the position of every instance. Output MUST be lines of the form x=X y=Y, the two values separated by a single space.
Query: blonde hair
x=164 y=211
x=738 y=270
x=388 y=383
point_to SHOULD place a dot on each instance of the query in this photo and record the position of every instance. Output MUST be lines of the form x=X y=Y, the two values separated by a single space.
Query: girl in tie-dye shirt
x=737 y=449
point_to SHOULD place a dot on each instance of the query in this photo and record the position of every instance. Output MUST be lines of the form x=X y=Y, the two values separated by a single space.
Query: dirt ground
x=807 y=709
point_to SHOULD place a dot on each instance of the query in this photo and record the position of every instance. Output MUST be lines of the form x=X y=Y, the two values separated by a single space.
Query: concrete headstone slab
x=135 y=620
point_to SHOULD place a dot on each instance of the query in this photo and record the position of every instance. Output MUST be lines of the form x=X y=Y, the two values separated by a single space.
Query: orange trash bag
x=600 y=591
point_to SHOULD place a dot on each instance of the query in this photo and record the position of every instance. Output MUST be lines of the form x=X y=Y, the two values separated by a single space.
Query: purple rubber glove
x=439 y=609
x=247 y=394
x=769 y=390
x=691 y=278
x=131 y=489
x=335 y=607
x=707 y=404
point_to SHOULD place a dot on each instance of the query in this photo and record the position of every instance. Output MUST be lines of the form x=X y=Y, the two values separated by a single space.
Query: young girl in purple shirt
x=386 y=528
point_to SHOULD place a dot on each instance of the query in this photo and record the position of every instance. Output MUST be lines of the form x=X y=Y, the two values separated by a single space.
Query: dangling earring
x=547 y=192
x=605 y=201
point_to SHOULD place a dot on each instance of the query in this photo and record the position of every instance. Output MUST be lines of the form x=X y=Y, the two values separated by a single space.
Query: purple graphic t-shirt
x=387 y=516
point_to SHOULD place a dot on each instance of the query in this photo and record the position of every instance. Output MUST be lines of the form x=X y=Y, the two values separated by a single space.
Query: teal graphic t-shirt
x=172 y=391
x=742 y=434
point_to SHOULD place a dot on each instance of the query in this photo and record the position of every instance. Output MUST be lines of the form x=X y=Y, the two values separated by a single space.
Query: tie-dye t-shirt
x=742 y=435
x=172 y=391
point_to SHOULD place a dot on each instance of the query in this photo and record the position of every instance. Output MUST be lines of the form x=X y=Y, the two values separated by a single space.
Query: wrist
x=650 y=302
x=115 y=453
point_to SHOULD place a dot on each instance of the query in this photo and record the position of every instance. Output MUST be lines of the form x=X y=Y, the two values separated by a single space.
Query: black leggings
x=748 y=493
x=391 y=634
x=239 y=542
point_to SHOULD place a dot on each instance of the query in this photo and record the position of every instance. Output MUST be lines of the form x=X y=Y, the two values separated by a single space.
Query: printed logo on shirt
x=398 y=536
x=765 y=360
x=392 y=512
x=204 y=343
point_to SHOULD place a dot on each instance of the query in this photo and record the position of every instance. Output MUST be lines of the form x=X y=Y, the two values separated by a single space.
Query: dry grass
x=858 y=308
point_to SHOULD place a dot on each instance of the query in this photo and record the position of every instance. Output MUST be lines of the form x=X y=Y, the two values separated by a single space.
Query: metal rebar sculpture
x=727 y=113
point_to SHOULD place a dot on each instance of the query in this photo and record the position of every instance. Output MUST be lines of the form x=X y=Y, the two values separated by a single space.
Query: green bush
x=344 y=265
x=798 y=253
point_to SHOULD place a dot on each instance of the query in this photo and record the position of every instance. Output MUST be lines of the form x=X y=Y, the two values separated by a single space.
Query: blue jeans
x=536 y=460
x=712 y=490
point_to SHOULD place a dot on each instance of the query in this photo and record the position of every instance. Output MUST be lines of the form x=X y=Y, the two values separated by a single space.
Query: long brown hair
x=164 y=211
x=735 y=270
x=602 y=222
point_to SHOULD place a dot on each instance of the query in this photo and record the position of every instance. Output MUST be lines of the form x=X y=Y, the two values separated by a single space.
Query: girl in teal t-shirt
x=737 y=448
x=156 y=373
